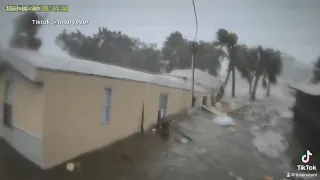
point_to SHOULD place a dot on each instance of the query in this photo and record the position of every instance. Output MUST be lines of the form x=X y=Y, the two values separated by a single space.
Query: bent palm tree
x=229 y=41
x=269 y=66
x=246 y=63
x=272 y=70
x=258 y=71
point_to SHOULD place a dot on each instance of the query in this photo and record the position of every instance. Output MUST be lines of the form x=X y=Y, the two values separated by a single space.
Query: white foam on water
x=272 y=144
x=287 y=114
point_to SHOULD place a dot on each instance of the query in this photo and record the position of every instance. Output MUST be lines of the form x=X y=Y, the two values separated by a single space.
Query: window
x=107 y=105
x=163 y=104
x=7 y=105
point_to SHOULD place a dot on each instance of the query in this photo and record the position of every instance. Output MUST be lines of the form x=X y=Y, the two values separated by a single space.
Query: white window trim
x=8 y=95
x=164 y=112
x=106 y=105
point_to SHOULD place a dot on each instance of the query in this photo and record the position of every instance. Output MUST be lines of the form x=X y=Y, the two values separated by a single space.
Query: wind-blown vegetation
x=252 y=63
x=115 y=47
x=229 y=41
x=269 y=66
x=25 y=32
x=246 y=64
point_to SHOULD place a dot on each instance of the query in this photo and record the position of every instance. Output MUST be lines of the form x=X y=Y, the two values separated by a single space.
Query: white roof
x=20 y=58
x=312 y=89
x=200 y=77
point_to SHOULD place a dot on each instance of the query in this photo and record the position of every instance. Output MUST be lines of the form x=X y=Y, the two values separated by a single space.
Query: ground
x=255 y=147
x=13 y=166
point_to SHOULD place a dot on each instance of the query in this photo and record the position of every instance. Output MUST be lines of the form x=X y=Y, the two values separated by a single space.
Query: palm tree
x=269 y=65
x=229 y=41
x=272 y=70
x=258 y=71
x=316 y=72
x=25 y=31
x=246 y=63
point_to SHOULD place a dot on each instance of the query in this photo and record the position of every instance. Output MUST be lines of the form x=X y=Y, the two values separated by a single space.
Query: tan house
x=54 y=109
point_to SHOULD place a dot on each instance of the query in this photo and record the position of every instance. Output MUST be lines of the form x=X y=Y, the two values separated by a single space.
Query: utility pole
x=192 y=67
x=193 y=53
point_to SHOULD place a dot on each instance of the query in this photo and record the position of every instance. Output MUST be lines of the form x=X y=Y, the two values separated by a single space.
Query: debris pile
x=224 y=121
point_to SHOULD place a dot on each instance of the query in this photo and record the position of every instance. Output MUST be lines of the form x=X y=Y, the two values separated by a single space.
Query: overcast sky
x=289 y=25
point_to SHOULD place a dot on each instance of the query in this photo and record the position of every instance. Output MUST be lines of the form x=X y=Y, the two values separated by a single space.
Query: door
x=163 y=104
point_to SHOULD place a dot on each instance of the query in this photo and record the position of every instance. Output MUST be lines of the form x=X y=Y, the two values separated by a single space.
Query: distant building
x=307 y=114
x=201 y=78
x=55 y=109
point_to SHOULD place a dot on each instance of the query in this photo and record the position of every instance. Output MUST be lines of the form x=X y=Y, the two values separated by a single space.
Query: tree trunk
x=255 y=86
x=233 y=81
x=227 y=78
x=268 y=89
x=250 y=85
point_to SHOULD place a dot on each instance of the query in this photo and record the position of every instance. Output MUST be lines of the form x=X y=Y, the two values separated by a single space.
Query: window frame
x=161 y=109
x=107 y=105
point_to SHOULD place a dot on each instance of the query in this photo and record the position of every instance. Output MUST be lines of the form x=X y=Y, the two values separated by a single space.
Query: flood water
x=261 y=143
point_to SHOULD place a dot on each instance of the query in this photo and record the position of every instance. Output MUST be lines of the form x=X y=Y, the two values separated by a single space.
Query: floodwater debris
x=201 y=150
x=218 y=105
x=231 y=129
x=264 y=126
x=224 y=121
x=268 y=178
x=70 y=167
x=287 y=114
x=184 y=135
x=122 y=157
x=73 y=166
x=255 y=128
x=184 y=140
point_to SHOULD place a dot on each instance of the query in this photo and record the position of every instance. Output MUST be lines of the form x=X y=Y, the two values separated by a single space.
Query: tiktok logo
x=306 y=157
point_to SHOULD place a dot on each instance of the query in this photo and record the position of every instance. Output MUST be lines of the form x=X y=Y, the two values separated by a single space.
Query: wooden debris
x=268 y=178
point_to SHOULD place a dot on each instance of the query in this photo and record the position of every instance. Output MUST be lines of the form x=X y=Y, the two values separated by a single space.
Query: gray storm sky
x=288 y=25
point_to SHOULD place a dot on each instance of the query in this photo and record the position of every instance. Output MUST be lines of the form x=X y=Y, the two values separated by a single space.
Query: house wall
x=152 y=98
x=27 y=117
x=73 y=112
